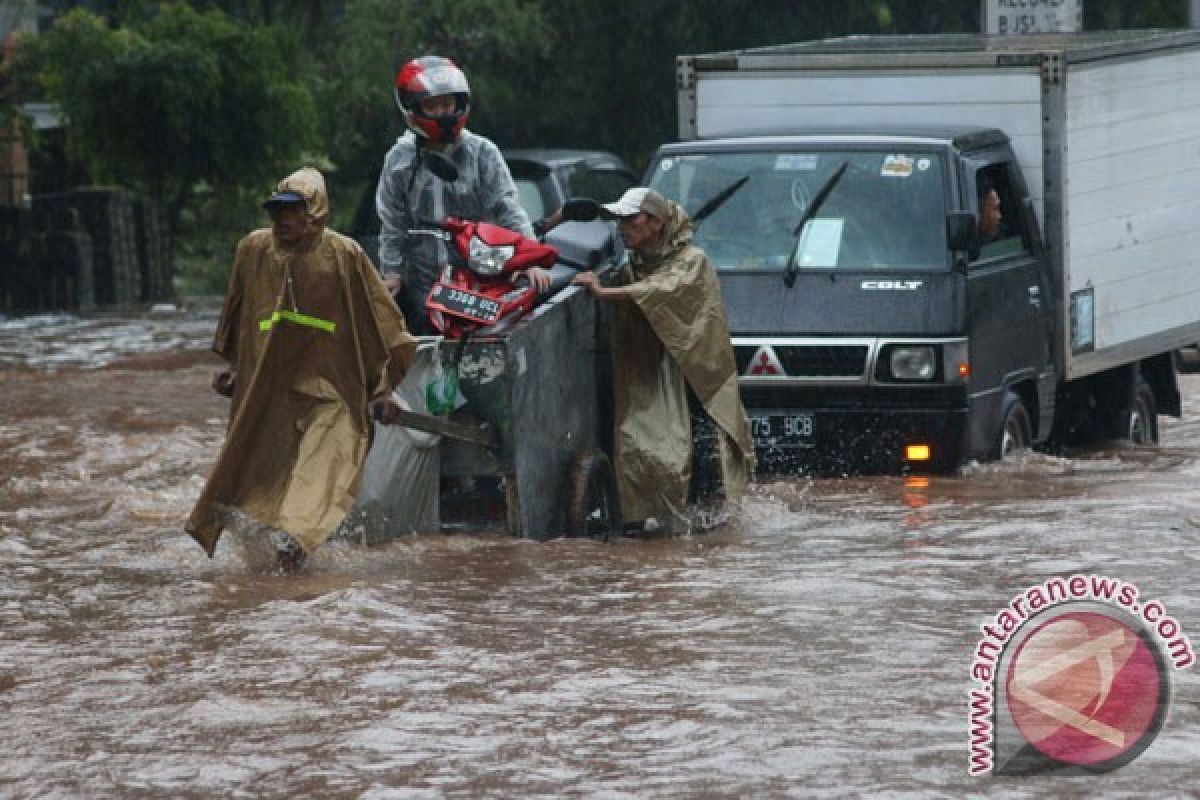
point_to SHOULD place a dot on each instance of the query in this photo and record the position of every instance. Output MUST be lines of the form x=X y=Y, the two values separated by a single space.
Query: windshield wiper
x=789 y=273
x=718 y=200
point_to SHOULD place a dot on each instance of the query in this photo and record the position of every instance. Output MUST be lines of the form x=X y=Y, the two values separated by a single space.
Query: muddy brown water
x=819 y=645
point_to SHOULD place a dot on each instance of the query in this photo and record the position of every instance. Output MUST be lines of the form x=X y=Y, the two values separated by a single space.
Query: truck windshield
x=886 y=211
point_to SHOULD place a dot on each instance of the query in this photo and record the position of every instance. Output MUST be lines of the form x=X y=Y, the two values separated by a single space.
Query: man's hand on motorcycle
x=539 y=278
x=223 y=382
x=383 y=410
x=588 y=280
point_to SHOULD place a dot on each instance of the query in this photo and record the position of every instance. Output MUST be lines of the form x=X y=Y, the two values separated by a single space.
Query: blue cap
x=283 y=198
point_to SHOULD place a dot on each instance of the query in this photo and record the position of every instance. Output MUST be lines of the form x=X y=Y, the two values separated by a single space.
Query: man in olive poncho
x=669 y=335
x=312 y=337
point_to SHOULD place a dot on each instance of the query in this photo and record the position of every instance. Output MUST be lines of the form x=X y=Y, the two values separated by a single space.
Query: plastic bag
x=399 y=490
x=441 y=392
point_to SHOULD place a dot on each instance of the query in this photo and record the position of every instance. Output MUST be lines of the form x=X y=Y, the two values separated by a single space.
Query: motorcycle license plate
x=784 y=430
x=463 y=303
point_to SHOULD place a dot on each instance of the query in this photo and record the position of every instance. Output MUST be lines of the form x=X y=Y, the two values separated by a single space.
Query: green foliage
x=178 y=98
x=611 y=80
x=174 y=98
x=499 y=43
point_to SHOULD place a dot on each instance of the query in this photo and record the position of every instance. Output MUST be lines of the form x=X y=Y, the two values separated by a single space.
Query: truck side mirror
x=962 y=231
x=1029 y=214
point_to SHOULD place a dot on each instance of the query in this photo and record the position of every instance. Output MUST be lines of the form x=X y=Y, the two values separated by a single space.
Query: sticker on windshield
x=796 y=162
x=820 y=242
x=924 y=164
x=897 y=166
x=665 y=165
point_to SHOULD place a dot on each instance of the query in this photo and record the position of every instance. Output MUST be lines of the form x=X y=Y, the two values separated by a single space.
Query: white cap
x=636 y=200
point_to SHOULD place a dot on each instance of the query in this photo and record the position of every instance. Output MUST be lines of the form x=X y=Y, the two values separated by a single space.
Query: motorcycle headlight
x=488 y=259
x=913 y=363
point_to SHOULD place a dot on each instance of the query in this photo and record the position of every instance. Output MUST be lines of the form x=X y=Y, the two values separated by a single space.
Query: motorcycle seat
x=583 y=245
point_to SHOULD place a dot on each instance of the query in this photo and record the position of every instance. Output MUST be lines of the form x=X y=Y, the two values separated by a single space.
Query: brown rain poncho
x=675 y=331
x=309 y=353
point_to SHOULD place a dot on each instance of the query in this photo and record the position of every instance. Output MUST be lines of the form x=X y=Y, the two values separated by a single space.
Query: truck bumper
x=804 y=436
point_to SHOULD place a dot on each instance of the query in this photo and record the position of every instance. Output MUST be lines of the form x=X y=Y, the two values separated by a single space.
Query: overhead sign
x=1032 y=16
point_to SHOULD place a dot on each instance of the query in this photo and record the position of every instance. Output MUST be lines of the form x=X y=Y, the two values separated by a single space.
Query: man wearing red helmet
x=434 y=99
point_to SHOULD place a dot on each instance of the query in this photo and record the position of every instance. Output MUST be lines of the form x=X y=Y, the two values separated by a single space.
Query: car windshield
x=530 y=198
x=886 y=210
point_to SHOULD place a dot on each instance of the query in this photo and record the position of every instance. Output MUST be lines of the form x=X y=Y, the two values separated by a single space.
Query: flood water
x=819 y=645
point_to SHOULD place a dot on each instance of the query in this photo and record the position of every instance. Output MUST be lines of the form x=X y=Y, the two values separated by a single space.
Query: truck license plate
x=463 y=303
x=784 y=430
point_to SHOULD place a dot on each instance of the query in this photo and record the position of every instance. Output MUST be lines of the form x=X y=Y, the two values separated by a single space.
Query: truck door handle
x=1035 y=296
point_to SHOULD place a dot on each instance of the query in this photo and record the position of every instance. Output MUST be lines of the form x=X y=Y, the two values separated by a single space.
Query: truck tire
x=1139 y=423
x=1016 y=433
x=592 y=508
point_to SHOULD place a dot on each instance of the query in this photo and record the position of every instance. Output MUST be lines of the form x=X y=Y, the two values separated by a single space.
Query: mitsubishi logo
x=765 y=363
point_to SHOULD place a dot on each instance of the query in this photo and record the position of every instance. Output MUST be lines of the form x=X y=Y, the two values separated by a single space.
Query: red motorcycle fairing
x=476 y=289
x=472 y=240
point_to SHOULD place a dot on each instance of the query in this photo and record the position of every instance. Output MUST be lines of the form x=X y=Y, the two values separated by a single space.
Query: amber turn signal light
x=917 y=452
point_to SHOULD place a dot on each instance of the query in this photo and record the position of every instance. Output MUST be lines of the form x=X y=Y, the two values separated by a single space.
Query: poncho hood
x=676 y=234
x=309 y=184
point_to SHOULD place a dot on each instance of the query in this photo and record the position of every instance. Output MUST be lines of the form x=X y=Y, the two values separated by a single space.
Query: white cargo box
x=1105 y=127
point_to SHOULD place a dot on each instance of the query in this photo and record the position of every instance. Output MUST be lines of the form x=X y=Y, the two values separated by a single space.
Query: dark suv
x=544 y=178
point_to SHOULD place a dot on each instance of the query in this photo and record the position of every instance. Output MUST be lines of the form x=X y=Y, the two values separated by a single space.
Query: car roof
x=962 y=137
x=555 y=157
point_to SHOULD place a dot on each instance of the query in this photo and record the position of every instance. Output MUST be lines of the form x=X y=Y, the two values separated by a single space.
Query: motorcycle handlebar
x=433 y=231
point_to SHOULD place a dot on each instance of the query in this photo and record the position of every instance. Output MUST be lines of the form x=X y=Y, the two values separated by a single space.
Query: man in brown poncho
x=312 y=336
x=669 y=334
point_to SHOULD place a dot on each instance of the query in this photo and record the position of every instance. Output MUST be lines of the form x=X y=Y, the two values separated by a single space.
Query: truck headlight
x=913 y=362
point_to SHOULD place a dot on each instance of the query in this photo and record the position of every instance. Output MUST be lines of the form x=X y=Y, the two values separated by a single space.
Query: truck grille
x=802 y=361
x=874 y=399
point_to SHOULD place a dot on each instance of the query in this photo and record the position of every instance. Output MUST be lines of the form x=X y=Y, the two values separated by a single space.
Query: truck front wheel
x=1139 y=423
x=1016 y=433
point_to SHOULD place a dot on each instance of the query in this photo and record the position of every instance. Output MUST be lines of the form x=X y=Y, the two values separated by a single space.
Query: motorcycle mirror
x=580 y=209
x=441 y=166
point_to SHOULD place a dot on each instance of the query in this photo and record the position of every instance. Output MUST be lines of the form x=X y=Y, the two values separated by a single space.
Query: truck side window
x=1006 y=236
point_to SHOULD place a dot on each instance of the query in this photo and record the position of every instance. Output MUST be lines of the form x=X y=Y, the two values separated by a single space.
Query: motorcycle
x=482 y=286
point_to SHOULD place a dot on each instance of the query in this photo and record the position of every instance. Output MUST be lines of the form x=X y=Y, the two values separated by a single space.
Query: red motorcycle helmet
x=433 y=76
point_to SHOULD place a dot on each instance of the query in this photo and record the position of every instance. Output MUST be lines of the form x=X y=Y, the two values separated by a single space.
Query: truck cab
x=874 y=327
x=877 y=321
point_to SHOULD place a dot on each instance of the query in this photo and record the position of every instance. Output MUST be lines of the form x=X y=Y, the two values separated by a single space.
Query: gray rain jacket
x=411 y=196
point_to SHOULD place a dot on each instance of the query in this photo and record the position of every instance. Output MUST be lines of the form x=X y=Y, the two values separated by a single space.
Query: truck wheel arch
x=1016 y=427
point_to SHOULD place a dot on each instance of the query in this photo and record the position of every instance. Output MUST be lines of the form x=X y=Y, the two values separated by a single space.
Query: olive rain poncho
x=313 y=335
x=674 y=335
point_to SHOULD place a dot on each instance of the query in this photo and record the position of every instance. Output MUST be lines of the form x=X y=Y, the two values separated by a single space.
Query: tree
x=178 y=100
x=611 y=80
x=500 y=44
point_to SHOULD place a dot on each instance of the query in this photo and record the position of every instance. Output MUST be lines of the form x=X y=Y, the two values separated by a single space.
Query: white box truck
x=884 y=314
